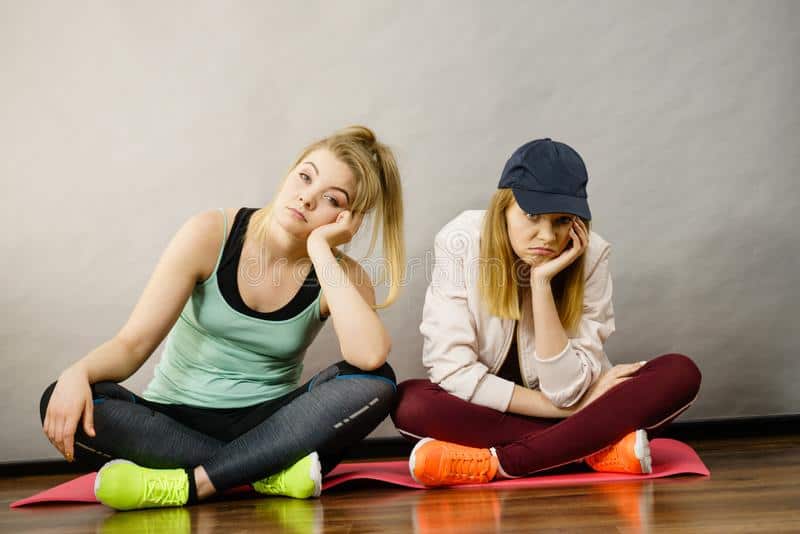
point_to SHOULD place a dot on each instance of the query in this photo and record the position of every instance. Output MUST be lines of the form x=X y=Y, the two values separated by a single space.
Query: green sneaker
x=123 y=485
x=301 y=481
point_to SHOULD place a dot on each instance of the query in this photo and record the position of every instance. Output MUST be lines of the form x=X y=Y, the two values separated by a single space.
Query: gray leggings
x=333 y=411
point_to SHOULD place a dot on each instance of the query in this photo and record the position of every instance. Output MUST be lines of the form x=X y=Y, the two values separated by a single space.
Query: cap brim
x=534 y=202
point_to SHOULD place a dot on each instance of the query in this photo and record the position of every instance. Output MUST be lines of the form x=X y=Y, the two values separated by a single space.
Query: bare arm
x=182 y=265
x=533 y=403
x=363 y=339
x=551 y=339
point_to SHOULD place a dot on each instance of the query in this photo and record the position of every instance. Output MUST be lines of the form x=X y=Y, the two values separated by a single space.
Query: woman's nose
x=545 y=232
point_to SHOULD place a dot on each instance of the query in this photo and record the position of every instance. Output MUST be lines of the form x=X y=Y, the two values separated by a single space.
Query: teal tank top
x=218 y=357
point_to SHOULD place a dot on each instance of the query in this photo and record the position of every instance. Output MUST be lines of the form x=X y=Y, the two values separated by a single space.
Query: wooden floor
x=754 y=487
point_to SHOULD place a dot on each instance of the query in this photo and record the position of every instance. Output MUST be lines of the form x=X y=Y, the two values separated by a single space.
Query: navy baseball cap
x=547 y=176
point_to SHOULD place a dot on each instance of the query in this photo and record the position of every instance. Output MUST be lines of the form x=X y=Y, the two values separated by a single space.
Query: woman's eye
x=305 y=177
x=332 y=200
x=565 y=220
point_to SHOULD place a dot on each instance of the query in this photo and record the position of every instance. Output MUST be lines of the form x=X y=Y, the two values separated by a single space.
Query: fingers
x=578 y=243
x=351 y=220
x=580 y=229
x=58 y=434
x=52 y=425
x=46 y=426
x=69 y=439
x=620 y=380
x=576 y=240
x=61 y=433
x=627 y=369
x=88 y=418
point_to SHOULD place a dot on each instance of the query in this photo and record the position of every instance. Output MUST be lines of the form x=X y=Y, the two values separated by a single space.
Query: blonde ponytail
x=390 y=211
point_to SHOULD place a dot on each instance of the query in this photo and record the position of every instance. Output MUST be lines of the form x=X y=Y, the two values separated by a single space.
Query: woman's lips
x=542 y=251
x=297 y=214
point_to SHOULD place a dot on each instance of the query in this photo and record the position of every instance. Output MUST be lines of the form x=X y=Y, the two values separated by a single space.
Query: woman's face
x=314 y=193
x=548 y=231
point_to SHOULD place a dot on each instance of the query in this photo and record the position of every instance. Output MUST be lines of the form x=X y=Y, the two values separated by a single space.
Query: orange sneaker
x=439 y=463
x=631 y=454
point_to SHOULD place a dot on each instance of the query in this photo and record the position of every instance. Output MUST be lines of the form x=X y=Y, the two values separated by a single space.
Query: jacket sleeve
x=450 y=348
x=565 y=378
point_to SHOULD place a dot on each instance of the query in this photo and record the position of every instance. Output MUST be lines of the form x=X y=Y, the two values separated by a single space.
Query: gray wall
x=118 y=120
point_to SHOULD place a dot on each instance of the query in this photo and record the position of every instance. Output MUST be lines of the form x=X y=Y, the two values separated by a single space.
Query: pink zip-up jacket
x=464 y=346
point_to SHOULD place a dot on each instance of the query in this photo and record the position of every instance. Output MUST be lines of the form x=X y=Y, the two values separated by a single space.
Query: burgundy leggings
x=657 y=393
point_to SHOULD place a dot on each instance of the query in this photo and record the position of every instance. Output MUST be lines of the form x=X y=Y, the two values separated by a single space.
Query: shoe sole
x=642 y=450
x=412 y=459
x=316 y=474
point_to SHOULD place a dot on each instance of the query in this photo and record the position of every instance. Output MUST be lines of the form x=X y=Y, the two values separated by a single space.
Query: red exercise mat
x=670 y=457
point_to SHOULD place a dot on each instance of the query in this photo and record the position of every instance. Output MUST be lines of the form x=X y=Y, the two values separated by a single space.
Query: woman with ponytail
x=241 y=294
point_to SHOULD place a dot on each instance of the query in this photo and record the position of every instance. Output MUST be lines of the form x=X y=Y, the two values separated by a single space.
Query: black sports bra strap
x=229 y=285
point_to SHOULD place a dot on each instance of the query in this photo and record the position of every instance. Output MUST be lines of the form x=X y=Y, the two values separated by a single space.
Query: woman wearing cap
x=242 y=302
x=514 y=323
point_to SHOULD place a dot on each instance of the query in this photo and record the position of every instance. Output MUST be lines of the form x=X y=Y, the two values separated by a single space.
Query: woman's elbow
x=366 y=363
x=370 y=360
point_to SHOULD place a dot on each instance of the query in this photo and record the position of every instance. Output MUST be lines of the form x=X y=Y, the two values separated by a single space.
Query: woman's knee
x=681 y=374
x=385 y=371
x=344 y=368
x=109 y=390
x=413 y=402
x=378 y=383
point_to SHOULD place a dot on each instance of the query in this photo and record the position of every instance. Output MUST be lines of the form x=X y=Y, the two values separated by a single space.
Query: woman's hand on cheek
x=549 y=269
x=338 y=232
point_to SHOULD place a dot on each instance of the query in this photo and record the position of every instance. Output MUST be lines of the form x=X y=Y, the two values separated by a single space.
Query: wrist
x=316 y=244
x=568 y=412
x=77 y=370
x=539 y=281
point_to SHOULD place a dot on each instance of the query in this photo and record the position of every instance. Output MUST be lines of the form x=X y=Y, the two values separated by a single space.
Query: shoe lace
x=467 y=465
x=276 y=482
x=164 y=490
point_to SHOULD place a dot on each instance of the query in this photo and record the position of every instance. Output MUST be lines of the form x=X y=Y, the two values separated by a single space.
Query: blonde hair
x=500 y=270
x=377 y=187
